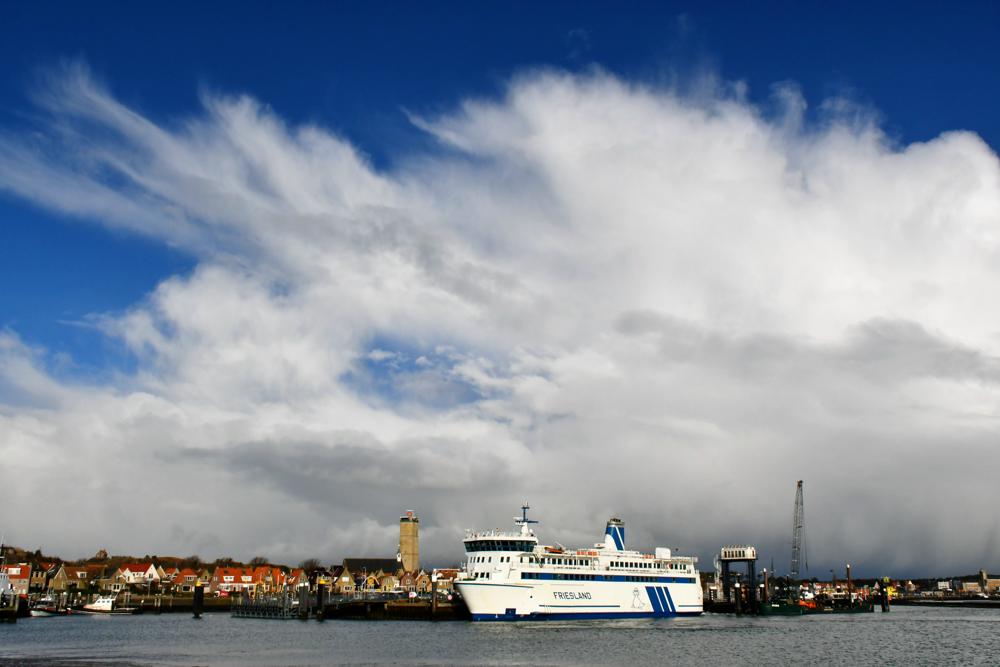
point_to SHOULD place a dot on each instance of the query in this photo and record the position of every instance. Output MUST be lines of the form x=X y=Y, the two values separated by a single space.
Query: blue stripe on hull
x=654 y=600
x=670 y=600
x=583 y=616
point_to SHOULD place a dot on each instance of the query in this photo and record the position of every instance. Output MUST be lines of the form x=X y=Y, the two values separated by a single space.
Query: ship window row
x=568 y=576
x=482 y=575
x=552 y=560
x=634 y=566
x=499 y=545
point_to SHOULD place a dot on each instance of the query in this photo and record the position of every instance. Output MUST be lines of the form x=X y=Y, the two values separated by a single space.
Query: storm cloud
x=597 y=295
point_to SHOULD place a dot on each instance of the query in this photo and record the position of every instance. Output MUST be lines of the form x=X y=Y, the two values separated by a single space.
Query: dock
x=277 y=607
x=394 y=609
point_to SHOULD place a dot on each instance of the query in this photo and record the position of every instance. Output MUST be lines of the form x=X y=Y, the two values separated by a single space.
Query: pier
x=279 y=607
x=395 y=609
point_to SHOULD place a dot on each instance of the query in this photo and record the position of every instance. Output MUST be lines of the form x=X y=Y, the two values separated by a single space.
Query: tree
x=258 y=561
x=311 y=564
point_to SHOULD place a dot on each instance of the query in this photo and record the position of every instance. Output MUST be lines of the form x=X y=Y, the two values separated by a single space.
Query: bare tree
x=311 y=564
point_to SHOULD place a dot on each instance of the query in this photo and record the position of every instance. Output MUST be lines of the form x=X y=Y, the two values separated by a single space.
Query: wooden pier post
x=434 y=596
x=304 y=599
x=320 y=599
x=199 y=599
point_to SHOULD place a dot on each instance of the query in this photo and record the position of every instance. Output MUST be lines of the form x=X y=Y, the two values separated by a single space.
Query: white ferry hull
x=565 y=600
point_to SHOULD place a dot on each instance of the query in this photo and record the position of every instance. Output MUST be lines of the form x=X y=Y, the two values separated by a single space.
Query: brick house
x=388 y=583
x=184 y=581
x=231 y=580
x=297 y=577
x=268 y=579
x=445 y=578
x=408 y=581
x=423 y=582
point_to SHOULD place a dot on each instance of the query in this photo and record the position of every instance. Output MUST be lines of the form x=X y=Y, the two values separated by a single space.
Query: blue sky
x=377 y=256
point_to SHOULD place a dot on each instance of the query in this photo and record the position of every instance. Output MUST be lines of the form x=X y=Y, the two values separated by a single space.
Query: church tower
x=409 y=541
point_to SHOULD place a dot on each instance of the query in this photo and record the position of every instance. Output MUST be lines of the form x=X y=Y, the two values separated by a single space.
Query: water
x=906 y=636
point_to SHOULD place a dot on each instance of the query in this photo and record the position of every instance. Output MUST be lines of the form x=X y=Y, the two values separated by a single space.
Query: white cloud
x=619 y=299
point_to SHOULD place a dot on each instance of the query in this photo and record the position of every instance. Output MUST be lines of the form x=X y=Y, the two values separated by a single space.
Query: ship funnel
x=614 y=535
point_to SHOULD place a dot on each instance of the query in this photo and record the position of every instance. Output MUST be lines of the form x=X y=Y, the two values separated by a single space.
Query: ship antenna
x=523 y=520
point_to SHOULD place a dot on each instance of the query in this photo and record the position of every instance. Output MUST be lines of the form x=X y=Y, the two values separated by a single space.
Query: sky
x=273 y=273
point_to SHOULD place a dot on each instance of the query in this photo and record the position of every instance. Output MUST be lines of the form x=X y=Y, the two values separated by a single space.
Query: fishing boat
x=781 y=607
x=106 y=604
x=822 y=604
x=46 y=607
x=509 y=576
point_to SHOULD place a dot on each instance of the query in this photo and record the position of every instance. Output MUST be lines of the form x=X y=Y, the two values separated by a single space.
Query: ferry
x=509 y=576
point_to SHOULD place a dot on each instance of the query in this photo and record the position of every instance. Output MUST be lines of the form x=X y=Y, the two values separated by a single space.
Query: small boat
x=828 y=605
x=781 y=607
x=106 y=604
x=46 y=607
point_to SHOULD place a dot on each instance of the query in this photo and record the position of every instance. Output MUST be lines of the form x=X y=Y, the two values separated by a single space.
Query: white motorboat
x=106 y=604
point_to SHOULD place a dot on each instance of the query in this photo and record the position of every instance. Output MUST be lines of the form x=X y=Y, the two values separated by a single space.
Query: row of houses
x=982 y=584
x=355 y=576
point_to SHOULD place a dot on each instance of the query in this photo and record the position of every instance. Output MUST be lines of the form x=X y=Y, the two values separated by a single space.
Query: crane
x=798 y=534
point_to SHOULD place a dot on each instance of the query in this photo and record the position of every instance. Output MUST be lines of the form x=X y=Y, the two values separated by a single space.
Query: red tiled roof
x=18 y=570
x=265 y=571
x=136 y=567
x=230 y=572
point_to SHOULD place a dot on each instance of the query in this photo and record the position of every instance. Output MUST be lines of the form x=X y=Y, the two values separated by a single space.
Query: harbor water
x=906 y=636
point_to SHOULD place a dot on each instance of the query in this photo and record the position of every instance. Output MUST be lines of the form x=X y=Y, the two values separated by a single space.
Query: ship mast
x=523 y=521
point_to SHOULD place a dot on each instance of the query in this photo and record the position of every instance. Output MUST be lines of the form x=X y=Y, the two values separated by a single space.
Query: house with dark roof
x=76 y=577
x=41 y=572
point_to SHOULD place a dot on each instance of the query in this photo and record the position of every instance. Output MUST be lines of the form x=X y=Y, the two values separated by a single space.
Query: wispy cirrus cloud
x=599 y=295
